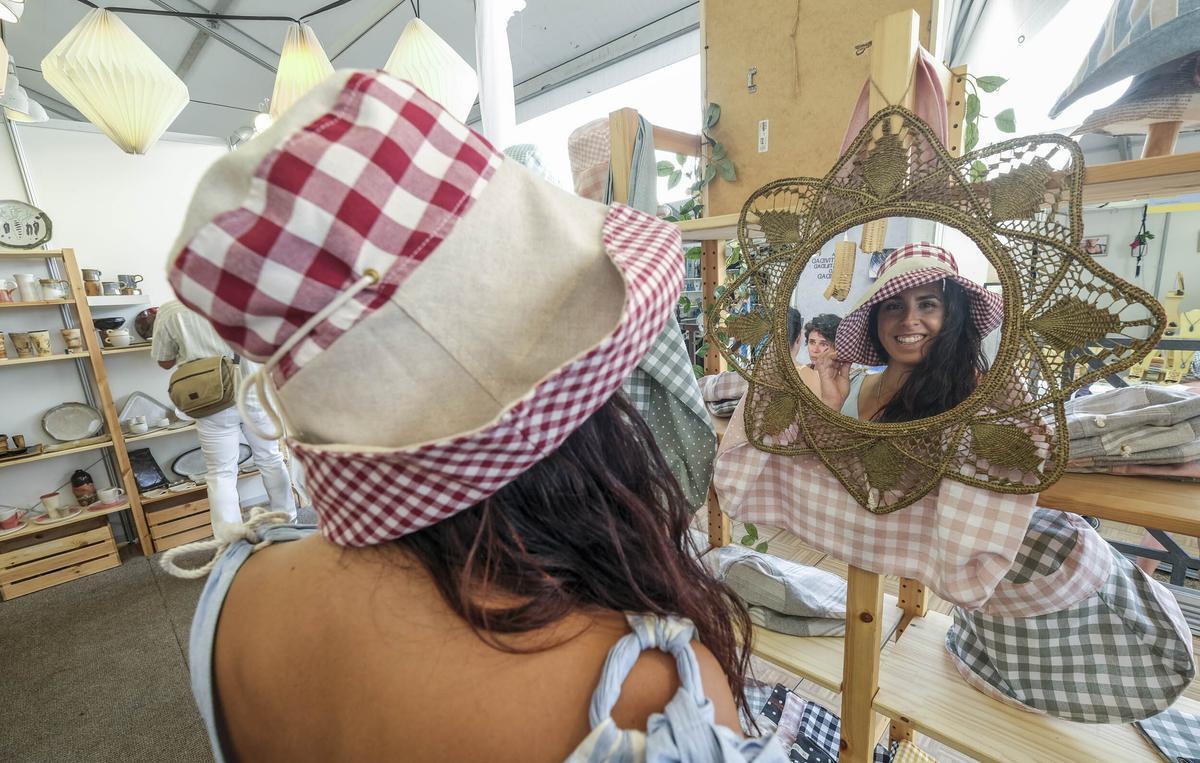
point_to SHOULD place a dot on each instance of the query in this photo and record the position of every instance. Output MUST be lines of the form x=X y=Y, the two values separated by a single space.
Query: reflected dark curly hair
x=825 y=324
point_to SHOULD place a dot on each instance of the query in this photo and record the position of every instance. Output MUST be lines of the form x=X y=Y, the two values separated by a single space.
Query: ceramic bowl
x=106 y=324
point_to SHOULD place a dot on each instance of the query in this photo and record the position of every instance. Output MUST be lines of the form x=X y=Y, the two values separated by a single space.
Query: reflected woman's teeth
x=910 y=338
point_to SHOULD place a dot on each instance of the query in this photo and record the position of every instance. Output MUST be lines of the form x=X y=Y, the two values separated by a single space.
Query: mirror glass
x=886 y=327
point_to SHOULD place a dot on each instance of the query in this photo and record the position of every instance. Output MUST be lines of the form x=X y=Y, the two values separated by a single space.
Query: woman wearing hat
x=925 y=323
x=503 y=568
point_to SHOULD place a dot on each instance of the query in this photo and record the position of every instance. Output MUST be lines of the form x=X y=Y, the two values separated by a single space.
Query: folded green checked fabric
x=1175 y=734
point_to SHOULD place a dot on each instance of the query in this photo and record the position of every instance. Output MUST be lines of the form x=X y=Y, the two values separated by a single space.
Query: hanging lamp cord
x=220 y=16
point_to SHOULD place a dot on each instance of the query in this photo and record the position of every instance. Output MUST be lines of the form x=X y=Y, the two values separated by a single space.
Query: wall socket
x=762 y=136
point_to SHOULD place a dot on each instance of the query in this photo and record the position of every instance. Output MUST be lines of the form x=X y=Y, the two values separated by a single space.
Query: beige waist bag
x=204 y=387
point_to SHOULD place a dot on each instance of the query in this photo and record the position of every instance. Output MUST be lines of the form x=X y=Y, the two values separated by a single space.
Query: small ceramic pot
x=91 y=274
x=21 y=344
x=28 y=287
x=53 y=288
x=40 y=340
x=73 y=339
x=112 y=288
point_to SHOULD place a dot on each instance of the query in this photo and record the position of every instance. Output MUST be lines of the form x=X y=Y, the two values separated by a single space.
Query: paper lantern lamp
x=428 y=61
x=11 y=10
x=302 y=66
x=103 y=69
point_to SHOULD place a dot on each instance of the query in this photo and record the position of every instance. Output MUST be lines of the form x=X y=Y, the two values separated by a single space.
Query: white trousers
x=220 y=435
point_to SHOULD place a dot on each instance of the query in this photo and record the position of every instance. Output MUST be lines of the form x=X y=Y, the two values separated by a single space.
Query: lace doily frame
x=1020 y=201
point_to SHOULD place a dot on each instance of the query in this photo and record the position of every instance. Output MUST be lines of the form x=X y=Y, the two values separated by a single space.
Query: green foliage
x=717 y=162
x=1006 y=120
x=750 y=539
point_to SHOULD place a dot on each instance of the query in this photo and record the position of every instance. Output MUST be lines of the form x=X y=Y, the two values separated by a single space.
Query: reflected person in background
x=819 y=335
x=925 y=323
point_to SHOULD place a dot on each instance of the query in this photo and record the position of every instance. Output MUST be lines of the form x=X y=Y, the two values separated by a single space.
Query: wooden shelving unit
x=5 y=363
x=159 y=433
x=139 y=347
x=55 y=454
x=39 y=303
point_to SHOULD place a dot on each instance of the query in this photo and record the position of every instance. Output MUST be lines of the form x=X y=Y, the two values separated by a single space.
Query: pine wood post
x=712 y=273
x=914 y=600
x=622 y=133
x=1160 y=139
x=107 y=408
x=860 y=665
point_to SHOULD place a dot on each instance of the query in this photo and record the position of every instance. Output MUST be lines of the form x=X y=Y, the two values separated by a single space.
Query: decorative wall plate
x=23 y=226
x=1020 y=202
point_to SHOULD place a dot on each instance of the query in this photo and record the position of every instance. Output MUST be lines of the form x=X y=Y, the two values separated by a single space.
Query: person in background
x=819 y=334
x=926 y=323
x=181 y=336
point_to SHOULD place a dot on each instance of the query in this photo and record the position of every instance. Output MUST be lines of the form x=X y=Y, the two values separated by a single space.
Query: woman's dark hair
x=795 y=323
x=950 y=368
x=599 y=525
x=825 y=324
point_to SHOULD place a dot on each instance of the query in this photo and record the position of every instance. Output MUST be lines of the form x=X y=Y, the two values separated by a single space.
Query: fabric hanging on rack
x=929 y=101
x=1075 y=631
x=959 y=540
x=663 y=387
x=589 y=147
x=497 y=101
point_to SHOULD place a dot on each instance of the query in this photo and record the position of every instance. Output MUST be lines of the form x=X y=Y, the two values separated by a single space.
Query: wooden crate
x=174 y=525
x=56 y=555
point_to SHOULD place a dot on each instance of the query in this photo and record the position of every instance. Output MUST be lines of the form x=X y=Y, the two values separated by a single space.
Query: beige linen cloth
x=959 y=540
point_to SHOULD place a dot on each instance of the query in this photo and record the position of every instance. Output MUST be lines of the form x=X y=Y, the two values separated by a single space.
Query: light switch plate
x=762 y=136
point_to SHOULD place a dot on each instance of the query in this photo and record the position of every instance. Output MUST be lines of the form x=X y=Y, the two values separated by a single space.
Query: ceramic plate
x=20 y=525
x=72 y=421
x=141 y=404
x=191 y=464
x=44 y=519
x=102 y=506
x=182 y=487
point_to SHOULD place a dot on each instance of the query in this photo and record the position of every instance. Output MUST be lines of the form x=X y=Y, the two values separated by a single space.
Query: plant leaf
x=693 y=253
x=687 y=205
x=751 y=529
x=979 y=171
x=685 y=304
x=702 y=350
x=972 y=107
x=746 y=540
x=665 y=168
x=761 y=547
x=710 y=172
x=725 y=167
x=698 y=370
x=972 y=138
x=990 y=84
x=718 y=152
x=1006 y=121
x=712 y=114
x=674 y=179
x=672 y=218
x=680 y=159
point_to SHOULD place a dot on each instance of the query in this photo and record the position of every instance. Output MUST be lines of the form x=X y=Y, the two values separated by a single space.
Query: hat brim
x=853 y=343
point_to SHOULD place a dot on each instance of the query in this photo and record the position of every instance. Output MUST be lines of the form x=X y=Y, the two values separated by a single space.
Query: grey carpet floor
x=96 y=670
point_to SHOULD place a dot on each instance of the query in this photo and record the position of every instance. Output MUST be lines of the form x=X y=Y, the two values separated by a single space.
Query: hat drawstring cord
x=261 y=377
x=259 y=519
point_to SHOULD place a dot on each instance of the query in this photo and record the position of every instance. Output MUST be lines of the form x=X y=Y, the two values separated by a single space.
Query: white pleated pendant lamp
x=428 y=61
x=11 y=10
x=302 y=66
x=103 y=69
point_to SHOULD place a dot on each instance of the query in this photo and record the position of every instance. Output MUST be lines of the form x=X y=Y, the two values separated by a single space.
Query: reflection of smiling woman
x=926 y=323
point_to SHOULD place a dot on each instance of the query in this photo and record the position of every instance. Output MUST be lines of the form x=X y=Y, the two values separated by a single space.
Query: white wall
x=120 y=213
x=1177 y=251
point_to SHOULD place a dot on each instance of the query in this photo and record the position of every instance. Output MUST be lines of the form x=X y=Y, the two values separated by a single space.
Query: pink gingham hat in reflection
x=435 y=318
x=908 y=266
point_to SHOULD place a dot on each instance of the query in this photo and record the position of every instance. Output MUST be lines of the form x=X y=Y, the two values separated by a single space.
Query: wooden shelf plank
x=148 y=502
x=818 y=659
x=56 y=454
x=47 y=359
x=918 y=681
x=31 y=254
x=39 y=303
x=32 y=528
x=1143 y=501
x=159 y=433
x=142 y=347
x=716 y=228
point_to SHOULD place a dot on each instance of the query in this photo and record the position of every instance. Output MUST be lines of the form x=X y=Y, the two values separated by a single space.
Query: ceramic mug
x=111 y=288
x=93 y=288
x=52 y=503
x=91 y=274
x=129 y=291
x=40 y=340
x=73 y=339
x=162 y=423
x=21 y=344
x=18 y=442
x=139 y=428
x=9 y=518
x=7 y=288
x=129 y=281
x=111 y=494
x=53 y=288
x=117 y=337
x=28 y=287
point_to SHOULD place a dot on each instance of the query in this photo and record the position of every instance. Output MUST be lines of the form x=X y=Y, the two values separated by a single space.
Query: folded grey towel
x=797 y=626
x=784 y=587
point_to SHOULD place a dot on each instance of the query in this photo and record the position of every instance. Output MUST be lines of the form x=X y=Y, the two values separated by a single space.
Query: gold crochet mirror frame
x=1020 y=201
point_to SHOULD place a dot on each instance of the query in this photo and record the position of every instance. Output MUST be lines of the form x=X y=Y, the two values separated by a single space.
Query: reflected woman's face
x=818 y=345
x=909 y=321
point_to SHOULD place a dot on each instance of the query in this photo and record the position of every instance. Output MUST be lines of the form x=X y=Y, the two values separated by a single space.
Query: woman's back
x=385 y=669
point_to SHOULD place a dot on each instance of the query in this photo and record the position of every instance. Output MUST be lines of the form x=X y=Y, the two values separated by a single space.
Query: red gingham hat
x=912 y=265
x=506 y=311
